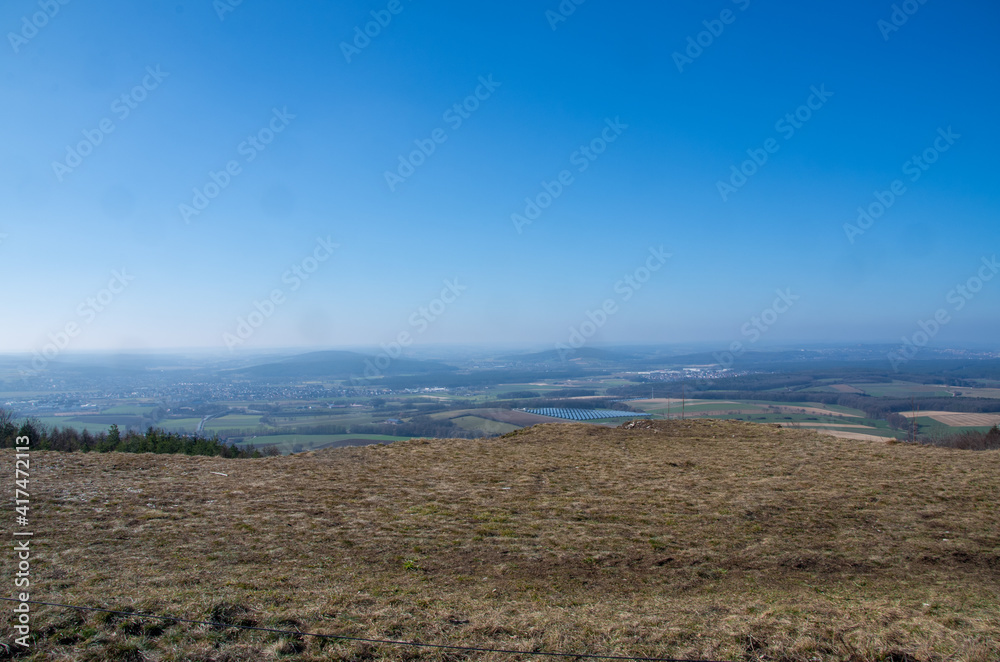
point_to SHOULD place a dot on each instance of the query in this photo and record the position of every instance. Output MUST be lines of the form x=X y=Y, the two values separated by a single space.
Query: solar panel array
x=584 y=414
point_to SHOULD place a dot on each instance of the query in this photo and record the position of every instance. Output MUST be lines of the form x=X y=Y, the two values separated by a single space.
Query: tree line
x=154 y=440
x=968 y=440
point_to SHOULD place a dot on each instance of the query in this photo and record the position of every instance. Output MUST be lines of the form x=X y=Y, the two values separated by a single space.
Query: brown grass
x=957 y=419
x=861 y=436
x=711 y=539
x=795 y=409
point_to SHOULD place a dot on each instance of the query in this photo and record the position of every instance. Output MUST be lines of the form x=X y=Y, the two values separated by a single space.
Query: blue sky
x=222 y=77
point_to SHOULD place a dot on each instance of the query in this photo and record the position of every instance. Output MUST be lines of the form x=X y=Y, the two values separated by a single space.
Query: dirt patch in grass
x=692 y=539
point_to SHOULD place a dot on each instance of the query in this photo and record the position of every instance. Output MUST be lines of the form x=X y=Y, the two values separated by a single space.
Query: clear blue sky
x=222 y=80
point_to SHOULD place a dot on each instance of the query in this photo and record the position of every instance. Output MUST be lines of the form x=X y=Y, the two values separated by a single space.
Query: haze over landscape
x=446 y=331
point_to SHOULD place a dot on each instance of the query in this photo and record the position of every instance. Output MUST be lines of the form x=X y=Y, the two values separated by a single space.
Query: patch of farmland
x=512 y=416
x=179 y=424
x=232 y=421
x=976 y=392
x=904 y=390
x=855 y=435
x=663 y=402
x=484 y=425
x=957 y=419
x=295 y=443
x=78 y=423
x=703 y=407
x=845 y=388
x=134 y=410
x=94 y=423
x=796 y=409
x=709 y=413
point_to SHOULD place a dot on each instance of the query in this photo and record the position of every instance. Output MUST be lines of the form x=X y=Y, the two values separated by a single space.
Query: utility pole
x=682 y=401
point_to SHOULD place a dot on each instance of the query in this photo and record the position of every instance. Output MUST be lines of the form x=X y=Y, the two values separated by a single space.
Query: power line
x=391 y=642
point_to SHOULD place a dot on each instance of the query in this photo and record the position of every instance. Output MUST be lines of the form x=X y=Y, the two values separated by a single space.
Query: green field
x=696 y=406
x=188 y=425
x=348 y=417
x=93 y=423
x=296 y=443
x=133 y=410
x=79 y=423
x=932 y=428
x=233 y=421
x=898 y=389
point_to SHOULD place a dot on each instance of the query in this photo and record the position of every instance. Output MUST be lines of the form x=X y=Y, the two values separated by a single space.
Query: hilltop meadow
x=693 y=539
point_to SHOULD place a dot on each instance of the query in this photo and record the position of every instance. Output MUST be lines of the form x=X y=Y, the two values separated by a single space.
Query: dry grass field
x=691 y=539
x=861 y=436
x=795 y=409
x=511 y=416
x=957 y=419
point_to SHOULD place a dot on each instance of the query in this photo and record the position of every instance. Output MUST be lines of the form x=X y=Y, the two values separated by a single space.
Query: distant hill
x=588 y=354
x=339 y=365
x=701 y=539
